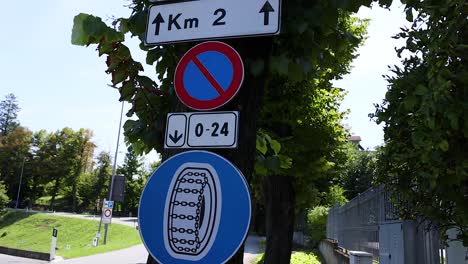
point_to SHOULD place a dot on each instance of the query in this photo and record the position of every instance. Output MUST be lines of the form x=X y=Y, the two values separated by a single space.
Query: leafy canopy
x=425 y=116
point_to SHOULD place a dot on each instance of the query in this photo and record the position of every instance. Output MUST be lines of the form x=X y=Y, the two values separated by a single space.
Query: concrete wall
x=24 y=253
x=456 y=252
x=332 y=253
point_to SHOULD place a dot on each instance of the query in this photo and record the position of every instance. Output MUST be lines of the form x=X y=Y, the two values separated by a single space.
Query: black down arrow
x=176 y=137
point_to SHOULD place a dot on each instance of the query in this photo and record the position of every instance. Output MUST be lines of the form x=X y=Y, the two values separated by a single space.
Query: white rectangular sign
x=202 y=130
x=170 y=22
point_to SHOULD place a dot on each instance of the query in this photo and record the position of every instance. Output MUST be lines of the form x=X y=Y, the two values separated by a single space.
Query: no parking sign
x=209 y=75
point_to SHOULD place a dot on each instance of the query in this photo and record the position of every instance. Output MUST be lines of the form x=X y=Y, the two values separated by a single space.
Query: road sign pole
x=106 y=226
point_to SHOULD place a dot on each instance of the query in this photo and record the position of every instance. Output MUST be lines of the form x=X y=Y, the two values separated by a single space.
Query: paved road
x=132 y=255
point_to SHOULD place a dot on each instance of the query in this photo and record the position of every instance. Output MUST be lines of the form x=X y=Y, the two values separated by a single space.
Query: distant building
x=355 y=140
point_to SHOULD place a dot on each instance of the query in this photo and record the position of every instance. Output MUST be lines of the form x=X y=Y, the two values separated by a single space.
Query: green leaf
x=410 y=102
x=123 y=52
x=409 y=14
x=105 y=48
x=421 y=90
x=260 y=169
x=261 y=145
x=285 y=161
x=127 y=91
x=444 y=145
x=118 y=76
x=88 y=29
x=145 y=81
x=275 y=146
x=154 y=55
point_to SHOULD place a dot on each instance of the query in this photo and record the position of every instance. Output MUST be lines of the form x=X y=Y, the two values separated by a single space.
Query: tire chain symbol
x=192 y=212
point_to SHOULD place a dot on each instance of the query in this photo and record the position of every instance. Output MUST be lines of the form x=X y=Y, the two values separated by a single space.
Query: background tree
x=103 y=173
x=135 y=179
x=424 y=114
x=359 y=173
x=64 y=154
x=305 y=119
x=14 y=151
x=92 y=185
x=8 y=114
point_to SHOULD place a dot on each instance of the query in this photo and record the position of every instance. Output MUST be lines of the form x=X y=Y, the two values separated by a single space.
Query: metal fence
x=370 y=223
x=356 y=224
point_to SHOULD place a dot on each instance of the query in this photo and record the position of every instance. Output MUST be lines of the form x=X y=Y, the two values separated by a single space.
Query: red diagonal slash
x=208 y=76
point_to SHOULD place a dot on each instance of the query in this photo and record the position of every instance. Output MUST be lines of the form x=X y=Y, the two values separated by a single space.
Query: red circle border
x=231 y=91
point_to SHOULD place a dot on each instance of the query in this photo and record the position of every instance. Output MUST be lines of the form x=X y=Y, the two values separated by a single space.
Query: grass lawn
x=33 y=232
x=296 y=258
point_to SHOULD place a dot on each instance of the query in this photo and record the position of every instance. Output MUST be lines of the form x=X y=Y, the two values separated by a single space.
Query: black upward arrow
x=176 y=137
x=266 y=9
x=158 y=20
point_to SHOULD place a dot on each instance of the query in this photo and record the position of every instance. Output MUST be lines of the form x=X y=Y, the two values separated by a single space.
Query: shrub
x=296 y=258
x=4 y=199
x=335 y=195
x=302 y=257
x=317 y=223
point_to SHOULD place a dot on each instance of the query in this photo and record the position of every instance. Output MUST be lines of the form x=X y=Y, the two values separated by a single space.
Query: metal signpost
x=202 y=130
x=205 y=206
x=170 y=21
x=196 y=206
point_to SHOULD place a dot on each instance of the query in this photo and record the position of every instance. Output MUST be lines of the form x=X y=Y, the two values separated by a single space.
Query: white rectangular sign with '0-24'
x=202 y=130
x=170 y=22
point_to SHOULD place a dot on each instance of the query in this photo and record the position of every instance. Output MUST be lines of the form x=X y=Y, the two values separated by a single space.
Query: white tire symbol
x=192 y=211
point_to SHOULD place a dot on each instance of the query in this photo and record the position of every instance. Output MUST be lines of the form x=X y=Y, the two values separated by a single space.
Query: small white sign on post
x=170 y=21
x=53 y=243
x=202 y=130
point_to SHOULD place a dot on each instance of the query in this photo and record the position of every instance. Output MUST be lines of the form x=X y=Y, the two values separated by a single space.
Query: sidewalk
x=132 y=255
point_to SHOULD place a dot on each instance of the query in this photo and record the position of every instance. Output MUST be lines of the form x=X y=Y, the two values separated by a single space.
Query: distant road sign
x=195 y=207
x=209 y=75
x=109 y=204
x=171 y=21
x=106 y=215
x=202 y=130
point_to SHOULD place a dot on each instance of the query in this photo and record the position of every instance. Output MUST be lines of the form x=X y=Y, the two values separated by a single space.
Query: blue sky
x=58 y=84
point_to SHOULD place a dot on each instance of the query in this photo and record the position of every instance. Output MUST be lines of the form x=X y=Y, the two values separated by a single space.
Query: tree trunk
x=33 y=191
x=54 y=193
x=279 y=206
x=247 y=102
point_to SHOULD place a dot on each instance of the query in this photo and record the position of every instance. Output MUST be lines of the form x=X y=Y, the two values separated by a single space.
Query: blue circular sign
x=195 y=207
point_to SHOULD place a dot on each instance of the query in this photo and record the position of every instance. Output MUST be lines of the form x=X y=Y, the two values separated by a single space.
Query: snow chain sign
x=202 y=130
x=195 y=207
x=170 y=21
